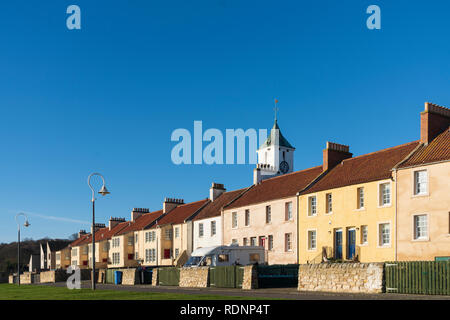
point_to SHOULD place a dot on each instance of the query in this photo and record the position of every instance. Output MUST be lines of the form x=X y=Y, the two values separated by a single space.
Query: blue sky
x=107 y=97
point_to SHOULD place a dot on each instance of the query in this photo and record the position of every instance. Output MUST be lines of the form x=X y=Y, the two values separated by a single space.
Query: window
x=168 y=234
x=234 y=241
x=385 y=194
x=213 y=228
x=136 y=255
x=420 y=182
x=245 y=241
x=152 y=236
x=74 y=252
x=360 y=196
x=147 y=236
x=136 y=238
x=329 y=203
x=262 y=241
x=234 y=222
x=200 y=230
x=167 y=253
x=58 y=256
x=177 y=232
x=115 y=242
x=116 y=257
x=223 y=257
x=130 y=241
x=312 y=206
x=288 y=242
x=147 y=255
x=363 y=234
x=85 y=249
x=106 y=246
x=312 y=241
x=385 y=234
x=247 y=218
x=288 y=211
x=421 y=227
x=270 y=244
x=253 y=241
x=254 y=257
x=268 y=214
x=177 y=251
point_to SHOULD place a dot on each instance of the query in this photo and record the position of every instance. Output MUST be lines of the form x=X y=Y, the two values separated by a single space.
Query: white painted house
x=208 y=230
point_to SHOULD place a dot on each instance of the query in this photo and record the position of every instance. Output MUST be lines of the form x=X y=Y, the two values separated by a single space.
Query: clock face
x=284 y=167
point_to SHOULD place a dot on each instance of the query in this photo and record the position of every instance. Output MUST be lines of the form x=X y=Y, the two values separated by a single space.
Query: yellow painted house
x=349 y=212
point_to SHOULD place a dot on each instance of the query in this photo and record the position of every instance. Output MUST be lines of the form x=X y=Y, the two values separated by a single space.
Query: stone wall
x=341 y=277
x=129 y=276
x=250 y=280
x=11 y=278
x=155 y=278
x=194 y=277
x=61 y=275
x=25 y=278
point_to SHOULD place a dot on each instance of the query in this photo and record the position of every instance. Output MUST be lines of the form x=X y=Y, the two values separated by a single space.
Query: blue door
x=338 y=244
x=351 y=242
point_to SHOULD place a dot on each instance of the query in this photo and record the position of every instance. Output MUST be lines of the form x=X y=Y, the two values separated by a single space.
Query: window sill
x=364 y=244
x=385 y=206
x=387 y=246
x=329 y=213
x=420 y=195
x=360 y=209
x=421 y=240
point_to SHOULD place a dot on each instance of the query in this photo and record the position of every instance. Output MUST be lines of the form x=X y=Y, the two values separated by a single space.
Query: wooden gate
x=226 y=277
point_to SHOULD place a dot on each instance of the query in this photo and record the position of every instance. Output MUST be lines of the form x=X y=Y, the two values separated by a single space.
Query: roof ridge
x=382 y=150
x=290 y=173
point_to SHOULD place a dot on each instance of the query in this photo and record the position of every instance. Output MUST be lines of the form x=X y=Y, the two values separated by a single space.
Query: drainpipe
x=297 y=226
x=222 y=225
x=396 y=209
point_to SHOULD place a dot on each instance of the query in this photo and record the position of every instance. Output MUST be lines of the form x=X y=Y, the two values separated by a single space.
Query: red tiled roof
x=436 y=150
x=79 y=240
x=214 y=208
x=365 y=168
x=141 y=222
x=278 y=187
x=181 y=213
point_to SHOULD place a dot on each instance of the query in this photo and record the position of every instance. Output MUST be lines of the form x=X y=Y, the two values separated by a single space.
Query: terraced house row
x=391 y=204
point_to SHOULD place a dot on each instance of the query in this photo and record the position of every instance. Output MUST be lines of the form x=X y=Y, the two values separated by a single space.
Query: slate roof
x=283 y=141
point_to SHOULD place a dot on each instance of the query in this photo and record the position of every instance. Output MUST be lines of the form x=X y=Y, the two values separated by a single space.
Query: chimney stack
x=114 y=222
x=334 y=154
x=81 y=233
x=98 y=226
x=137 y=212
x=433 y=121
x=171 y=203
x=216 y=190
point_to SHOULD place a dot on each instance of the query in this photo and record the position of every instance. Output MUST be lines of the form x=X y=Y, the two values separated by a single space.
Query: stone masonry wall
x=25 y=278
x=341 y=277
x=129 y=276
x=250 y=280
x=155 y=278
x=194 y=277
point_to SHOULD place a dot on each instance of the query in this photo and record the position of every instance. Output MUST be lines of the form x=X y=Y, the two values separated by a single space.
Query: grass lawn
x=36 y=292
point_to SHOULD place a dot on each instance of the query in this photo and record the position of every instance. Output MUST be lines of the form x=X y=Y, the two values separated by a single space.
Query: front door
x=262 y=241
x=351 y=242
x=338 y=244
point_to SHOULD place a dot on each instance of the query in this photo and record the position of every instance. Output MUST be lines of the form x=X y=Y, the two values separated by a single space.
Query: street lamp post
x=103 y=191
x=26 y=224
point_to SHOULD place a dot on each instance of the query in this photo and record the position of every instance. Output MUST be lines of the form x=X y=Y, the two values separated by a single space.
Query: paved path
x=276 y=293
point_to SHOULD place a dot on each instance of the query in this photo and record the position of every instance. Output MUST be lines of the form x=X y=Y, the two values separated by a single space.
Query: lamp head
x=26 y=224
x=103 y=191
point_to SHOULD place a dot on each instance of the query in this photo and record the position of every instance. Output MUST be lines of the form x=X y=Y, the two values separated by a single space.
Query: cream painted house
x=168 y=241
x=62 y=258
x=424 y=191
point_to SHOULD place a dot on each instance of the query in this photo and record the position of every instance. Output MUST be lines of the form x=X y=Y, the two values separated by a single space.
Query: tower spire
x=275 y=109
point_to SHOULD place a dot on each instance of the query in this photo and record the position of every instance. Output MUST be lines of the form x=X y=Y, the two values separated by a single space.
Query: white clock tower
x=275 y=156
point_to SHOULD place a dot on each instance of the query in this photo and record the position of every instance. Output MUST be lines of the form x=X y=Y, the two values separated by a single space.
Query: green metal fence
x=226 y=277
x=278 y=276
x=169 y=276
x=418 y=277
x=109 y=275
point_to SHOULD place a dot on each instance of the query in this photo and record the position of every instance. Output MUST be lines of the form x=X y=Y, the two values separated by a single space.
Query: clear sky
x=107 y=97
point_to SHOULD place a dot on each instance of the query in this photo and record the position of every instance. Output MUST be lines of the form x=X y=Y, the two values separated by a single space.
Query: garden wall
x=341 y=277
